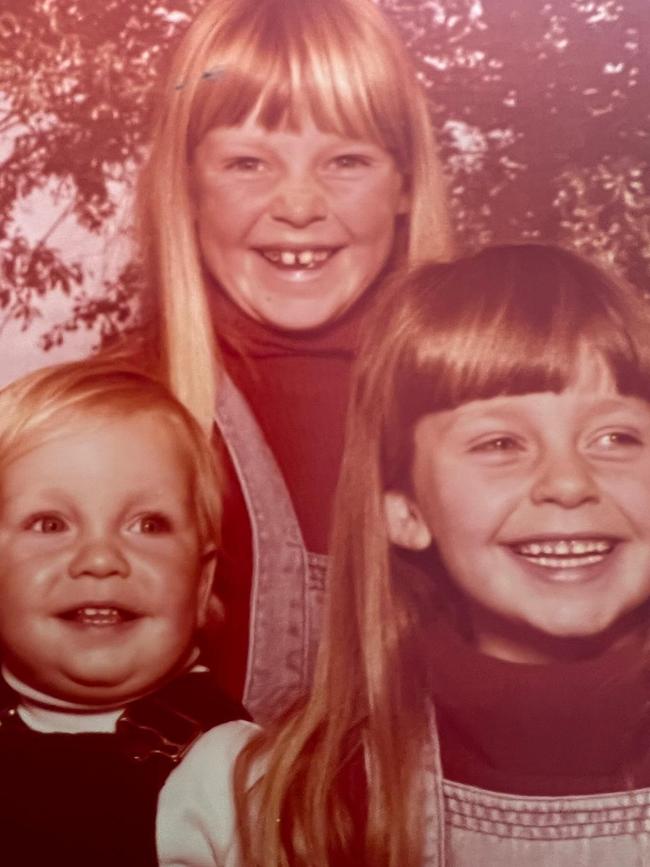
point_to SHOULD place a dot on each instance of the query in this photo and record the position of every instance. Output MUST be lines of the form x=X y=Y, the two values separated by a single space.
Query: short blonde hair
x=36 y=406
x=338 y=62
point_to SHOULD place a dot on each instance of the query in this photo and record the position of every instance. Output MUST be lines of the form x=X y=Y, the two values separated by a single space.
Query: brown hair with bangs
x=338 y=63
x=513 y=319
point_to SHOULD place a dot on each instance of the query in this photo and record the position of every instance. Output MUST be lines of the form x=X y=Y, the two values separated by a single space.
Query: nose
x=99 y=558
x=299 y=200
x=564 y=478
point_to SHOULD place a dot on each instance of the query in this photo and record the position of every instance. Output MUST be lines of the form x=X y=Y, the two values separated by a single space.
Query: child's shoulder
x=209 y=763
x=219 y=746
x=206 y=770
x=196 y=811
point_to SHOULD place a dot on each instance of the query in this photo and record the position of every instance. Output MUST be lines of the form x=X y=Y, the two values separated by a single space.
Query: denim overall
x=494 y=830
x=288 y=582
x=489 y=829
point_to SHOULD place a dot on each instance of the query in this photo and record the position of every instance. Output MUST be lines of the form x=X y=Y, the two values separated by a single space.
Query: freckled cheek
x=370 y=216
x=224 y=221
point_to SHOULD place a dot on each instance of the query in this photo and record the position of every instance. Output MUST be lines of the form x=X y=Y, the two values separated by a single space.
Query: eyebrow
x=153 y=499
x=45 y=494
x=226 y=135
x=613 y=403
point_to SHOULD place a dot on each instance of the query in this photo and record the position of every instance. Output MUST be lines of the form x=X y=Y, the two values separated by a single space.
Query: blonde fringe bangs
x=352 y=77
x=271 y=70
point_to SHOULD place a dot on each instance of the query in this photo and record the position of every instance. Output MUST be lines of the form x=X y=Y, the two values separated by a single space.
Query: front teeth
x=97 y=616
x=565 y=553
x=291 y=258
x=564 y=547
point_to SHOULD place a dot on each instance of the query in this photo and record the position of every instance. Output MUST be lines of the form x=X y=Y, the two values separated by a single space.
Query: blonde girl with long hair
x=292 y=165
x=481 y=689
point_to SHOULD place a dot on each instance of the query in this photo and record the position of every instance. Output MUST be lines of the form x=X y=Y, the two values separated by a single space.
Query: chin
x=582 y=627
x=96 y=688
x=305 y=318
x=576 y=640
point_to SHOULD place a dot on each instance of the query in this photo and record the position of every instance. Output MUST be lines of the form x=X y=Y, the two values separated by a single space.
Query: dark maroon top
x=556 y=729
x=297 y=384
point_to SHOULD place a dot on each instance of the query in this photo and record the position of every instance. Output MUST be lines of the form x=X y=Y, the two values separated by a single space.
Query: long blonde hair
x=509 y=320
x=335 y=61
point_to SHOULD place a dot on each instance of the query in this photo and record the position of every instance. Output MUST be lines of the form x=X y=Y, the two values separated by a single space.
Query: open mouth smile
x=99 y=615
x=566 y=553
x=307 y=259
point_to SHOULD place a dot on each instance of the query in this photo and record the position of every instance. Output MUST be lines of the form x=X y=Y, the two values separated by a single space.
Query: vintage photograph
x=325 y=433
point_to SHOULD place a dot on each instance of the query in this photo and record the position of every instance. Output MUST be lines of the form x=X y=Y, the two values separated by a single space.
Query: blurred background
x=542 y=111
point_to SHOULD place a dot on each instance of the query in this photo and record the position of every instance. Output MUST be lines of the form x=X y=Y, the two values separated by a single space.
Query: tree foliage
x=551 y=99
x=540 y=108
x=77 y=83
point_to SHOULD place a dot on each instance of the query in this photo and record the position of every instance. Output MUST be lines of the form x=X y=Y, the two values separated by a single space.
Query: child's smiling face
x=294 y=225
x=103 y=580
x=540 y=508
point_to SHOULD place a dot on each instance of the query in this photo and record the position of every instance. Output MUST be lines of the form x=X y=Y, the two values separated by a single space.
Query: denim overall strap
x=280 y=649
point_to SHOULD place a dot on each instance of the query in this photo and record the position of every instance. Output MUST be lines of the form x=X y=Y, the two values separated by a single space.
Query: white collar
x=48 y=714
x=48 y=721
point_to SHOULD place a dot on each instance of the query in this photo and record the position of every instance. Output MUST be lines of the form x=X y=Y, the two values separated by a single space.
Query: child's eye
x=497 y=444
x=350 y=161
x=247 y=165
x=46 y=524
x=151 y=523
x=615 y=439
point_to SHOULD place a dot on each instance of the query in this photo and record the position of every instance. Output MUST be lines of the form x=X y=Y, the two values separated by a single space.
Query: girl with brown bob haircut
x=481 y=688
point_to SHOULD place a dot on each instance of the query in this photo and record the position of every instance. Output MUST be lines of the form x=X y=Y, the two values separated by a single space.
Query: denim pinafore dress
x=470 y=827
x=288 y=582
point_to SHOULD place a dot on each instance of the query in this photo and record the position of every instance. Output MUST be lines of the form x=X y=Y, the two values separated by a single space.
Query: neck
x=47 y=713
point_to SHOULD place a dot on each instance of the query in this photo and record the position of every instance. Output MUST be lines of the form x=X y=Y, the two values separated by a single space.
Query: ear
x=206 y=603
x=406 y=526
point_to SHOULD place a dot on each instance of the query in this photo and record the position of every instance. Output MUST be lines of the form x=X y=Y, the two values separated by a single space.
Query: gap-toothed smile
x=307 y=258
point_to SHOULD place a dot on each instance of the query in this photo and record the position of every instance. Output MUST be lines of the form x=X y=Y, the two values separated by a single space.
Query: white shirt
x=196 y=824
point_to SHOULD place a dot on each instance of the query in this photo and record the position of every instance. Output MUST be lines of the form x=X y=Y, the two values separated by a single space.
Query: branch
x=55 y=225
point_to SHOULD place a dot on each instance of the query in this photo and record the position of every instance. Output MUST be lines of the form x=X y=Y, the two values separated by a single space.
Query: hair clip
x=209 y=75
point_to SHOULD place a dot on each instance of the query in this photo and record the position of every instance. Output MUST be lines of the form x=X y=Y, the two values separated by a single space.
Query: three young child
x=481 y=687
x=481 y=694
x=110 y=505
